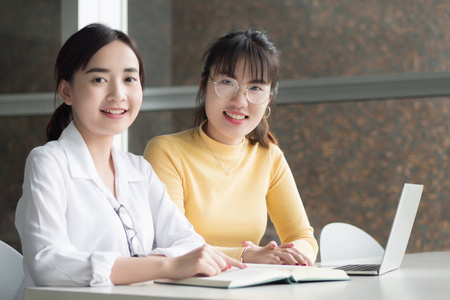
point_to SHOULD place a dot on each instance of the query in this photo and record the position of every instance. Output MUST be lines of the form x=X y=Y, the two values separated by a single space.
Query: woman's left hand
x=287 y=253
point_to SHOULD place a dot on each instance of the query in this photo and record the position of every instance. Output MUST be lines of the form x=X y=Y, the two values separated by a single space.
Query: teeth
x=114 y=112
x=236 y=117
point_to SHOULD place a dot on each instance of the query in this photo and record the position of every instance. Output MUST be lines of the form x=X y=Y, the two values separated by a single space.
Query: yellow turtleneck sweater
x=228 y=209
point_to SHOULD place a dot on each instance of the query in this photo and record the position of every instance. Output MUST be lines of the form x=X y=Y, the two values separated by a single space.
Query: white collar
x=80 y=161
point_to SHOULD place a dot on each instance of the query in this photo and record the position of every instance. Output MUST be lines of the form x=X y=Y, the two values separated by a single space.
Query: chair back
x=11 y=271
x=341 y=241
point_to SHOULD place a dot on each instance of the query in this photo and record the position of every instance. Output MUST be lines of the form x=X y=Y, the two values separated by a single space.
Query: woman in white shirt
x=89 y=214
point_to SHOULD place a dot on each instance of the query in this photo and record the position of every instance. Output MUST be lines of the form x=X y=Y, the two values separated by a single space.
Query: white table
x=422 y=276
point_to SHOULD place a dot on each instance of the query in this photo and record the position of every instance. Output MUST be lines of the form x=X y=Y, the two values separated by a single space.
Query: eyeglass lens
x=227 y=88
x=134 y=243
x=125 y=217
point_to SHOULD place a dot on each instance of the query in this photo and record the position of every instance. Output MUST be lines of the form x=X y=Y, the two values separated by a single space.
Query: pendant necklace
x=227 y=171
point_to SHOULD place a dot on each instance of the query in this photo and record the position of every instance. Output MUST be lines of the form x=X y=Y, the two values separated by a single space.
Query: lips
x=114 y=111
x=235 y=116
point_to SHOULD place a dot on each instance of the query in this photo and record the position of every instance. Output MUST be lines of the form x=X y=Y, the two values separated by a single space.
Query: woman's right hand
x=285 y=254
x=203 y=261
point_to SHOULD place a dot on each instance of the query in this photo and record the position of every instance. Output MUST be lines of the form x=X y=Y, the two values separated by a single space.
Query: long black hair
x=262 y=59
x=75 y=54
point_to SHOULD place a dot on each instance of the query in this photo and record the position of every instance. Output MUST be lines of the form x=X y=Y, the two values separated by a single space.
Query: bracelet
x=243 y=252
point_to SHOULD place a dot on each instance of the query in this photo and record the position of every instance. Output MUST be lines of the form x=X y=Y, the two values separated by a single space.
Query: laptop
x=398 y=237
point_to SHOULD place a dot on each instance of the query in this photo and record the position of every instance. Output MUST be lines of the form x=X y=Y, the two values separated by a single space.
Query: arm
x=287 y=213
x=205 y=261
x=286 y=209
x=48 y=252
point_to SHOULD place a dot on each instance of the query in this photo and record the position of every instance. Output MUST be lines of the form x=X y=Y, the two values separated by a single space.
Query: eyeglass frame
x=237 y=90
x=133 y=253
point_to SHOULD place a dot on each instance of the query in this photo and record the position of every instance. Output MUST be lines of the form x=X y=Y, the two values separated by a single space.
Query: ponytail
x=60 y=119
x=74 y=55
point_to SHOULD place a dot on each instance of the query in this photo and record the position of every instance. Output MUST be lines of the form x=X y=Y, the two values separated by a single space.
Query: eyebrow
x=234 y=77
x=103 y=70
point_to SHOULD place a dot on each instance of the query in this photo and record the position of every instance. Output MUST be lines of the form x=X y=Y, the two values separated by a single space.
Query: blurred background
x=363 y=105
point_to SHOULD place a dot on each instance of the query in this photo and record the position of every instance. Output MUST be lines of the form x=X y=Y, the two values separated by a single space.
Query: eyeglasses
x=134 y=243
x=226 y=88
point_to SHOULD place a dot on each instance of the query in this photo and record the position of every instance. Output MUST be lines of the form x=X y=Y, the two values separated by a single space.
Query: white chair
x=341 y=241
x=11 y=271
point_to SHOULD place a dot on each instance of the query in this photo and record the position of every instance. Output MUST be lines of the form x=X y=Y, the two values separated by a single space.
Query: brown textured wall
x=349 y=159
x=150 y=24
x=321 y=38
x=30 y=39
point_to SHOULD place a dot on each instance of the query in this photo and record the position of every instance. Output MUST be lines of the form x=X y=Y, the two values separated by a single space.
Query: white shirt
x=69 y=230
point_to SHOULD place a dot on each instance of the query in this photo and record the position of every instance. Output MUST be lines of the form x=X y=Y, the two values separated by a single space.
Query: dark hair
x=263 y=60
x=75 y=54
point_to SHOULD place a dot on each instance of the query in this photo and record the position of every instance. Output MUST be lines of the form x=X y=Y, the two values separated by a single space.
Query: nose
x=241 y=95
x=117 y=91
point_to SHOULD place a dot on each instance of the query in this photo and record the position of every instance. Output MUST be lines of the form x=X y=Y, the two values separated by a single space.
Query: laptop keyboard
x=360 y=267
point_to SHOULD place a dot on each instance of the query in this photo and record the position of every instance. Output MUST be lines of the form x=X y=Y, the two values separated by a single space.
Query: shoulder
x=171 y=143
x=272 y=157
x=46 y=160
x=272 y=150
x=186 y=136
x=275 y=150
x=51 y=150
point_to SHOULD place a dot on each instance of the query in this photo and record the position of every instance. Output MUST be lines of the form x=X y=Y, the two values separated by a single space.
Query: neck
x=100 y=150
x=208 y=130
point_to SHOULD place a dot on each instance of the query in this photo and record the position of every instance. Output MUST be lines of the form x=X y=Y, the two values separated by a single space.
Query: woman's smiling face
x=106 y=95
x=229 y=121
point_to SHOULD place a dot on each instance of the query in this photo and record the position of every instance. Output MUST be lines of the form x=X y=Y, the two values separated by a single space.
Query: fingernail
x=245 y=266
x=229 y=267
x=292 y=244
x=304 y=265
x=283 y=264
x=274 y=245
x=297 y=264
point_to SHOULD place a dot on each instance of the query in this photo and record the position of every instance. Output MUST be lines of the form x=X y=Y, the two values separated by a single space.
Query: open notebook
x=398 y=237
x=257 y=274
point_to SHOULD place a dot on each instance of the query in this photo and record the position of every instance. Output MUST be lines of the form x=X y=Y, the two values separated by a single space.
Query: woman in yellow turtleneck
x=227 y=172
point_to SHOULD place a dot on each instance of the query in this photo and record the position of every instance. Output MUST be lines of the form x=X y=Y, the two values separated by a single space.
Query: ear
x=65 y=91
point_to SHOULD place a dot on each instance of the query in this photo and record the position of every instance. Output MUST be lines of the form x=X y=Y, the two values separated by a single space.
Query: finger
x=287 y=258
x=288 y=245
x=218 y=264
x=272 y=245
x=233 y=262
x=217 y=259
x=273 y=259
x=308 y=261
x=300 y=259
x=208 y=270
x=247 y=244
x=225 y=260
x=210 y=261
